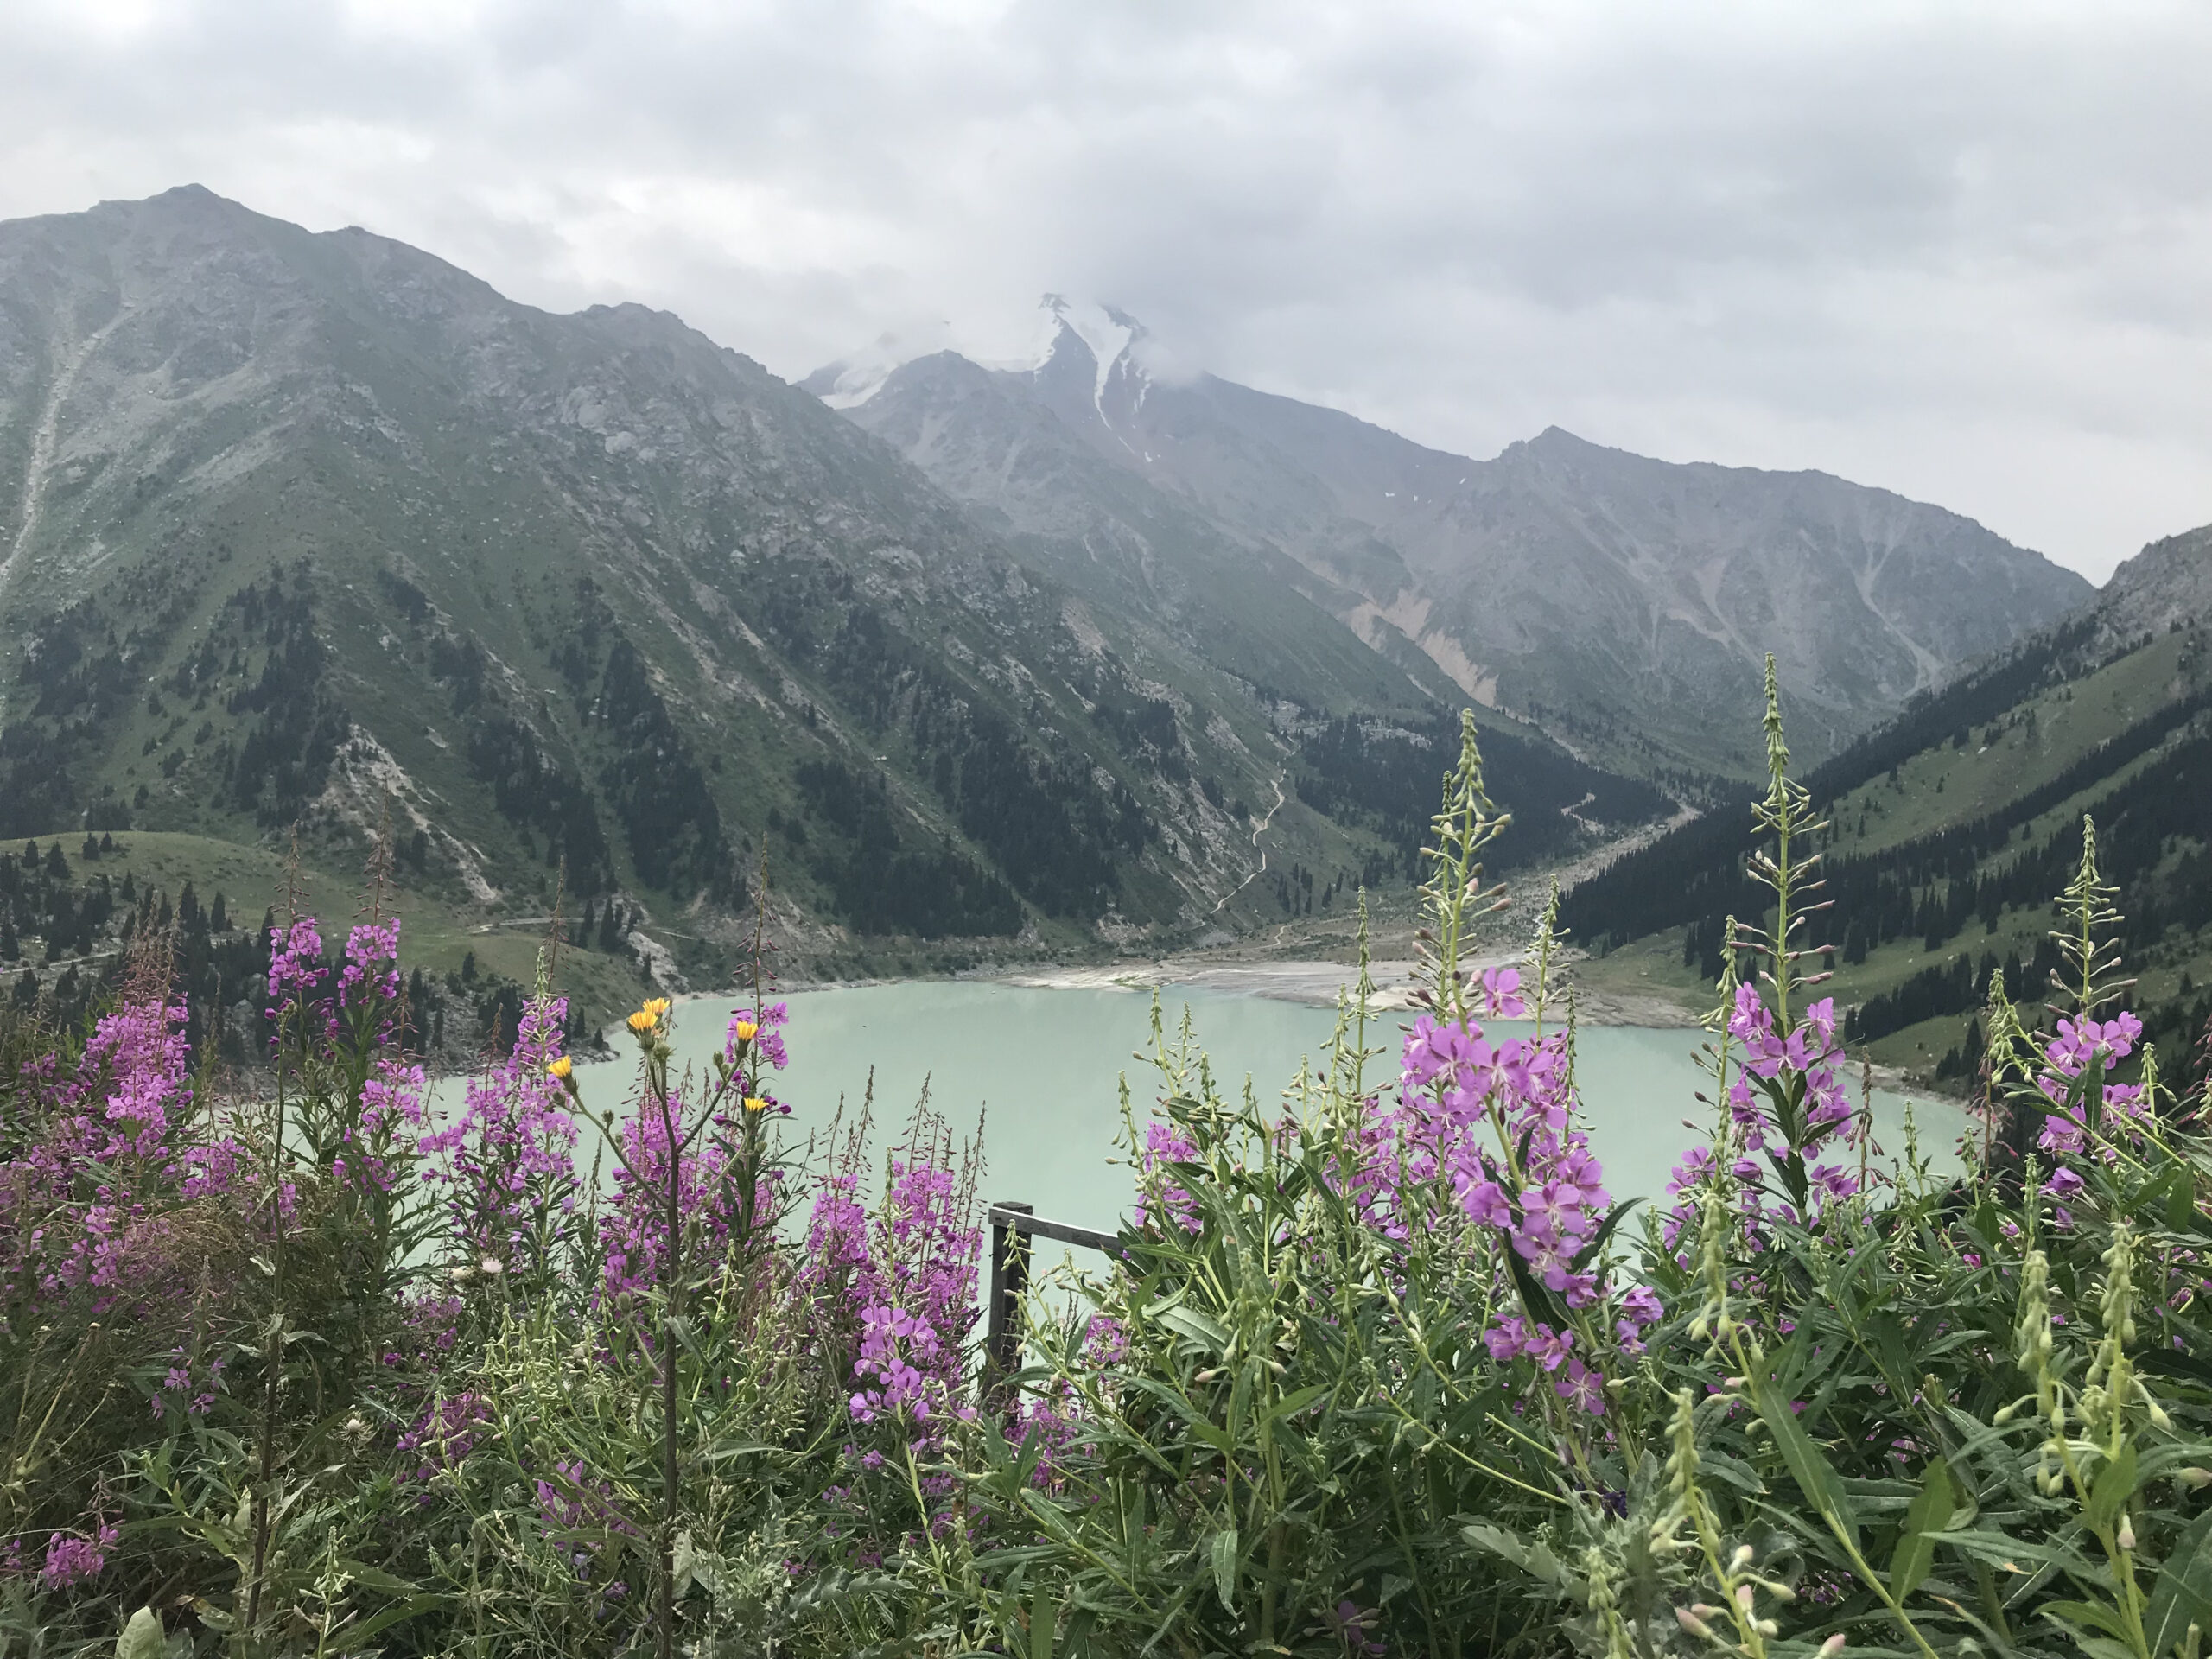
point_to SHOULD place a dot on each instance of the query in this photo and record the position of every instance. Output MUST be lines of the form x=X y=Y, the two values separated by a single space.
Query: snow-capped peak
x=1109 y=334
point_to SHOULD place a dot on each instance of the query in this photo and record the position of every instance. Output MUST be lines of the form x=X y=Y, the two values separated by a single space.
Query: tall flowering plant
x=505 y=1166
x=695 y=1195
x=110 y=1228
x=1497 y=1125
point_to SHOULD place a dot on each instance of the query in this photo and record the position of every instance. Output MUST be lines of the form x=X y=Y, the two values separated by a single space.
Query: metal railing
x=1013 y=1225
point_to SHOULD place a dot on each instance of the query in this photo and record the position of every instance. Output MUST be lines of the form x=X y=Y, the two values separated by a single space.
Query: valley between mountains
x=313 y=542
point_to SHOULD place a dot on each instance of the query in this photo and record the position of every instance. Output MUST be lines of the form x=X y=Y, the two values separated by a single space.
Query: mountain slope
x=1953 y=827
x=1626 y=604
x=318 y=529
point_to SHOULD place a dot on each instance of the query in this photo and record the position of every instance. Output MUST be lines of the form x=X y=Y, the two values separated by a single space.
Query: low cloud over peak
x=1957 y=252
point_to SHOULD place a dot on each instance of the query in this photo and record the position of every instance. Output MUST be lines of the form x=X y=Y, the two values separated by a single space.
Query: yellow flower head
x=657 y=1006
x=560 y=1069
x=642 y=1022
x=745 y=1030
x=754 y=1103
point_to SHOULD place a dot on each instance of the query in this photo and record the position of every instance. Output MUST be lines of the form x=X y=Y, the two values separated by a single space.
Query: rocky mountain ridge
x=1624 y=604
x=317 y=529
x=1950 y=828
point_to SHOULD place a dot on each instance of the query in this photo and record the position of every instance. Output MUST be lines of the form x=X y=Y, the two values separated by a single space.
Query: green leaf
x=1930 y=1512
x=2096 y=1615
x=1189 y=1322
x=1225 y=1567
x=2116 y=1486
x=1809 y=1464
x=1590 y=1252
x=2183 y=1594
x=1044 y=1614
x=354 y=1635
x=1536 y=1559
x=1294 y=1401
x=375 y=1578
x=142 y=1637
x=2001 y=1551
x=684 y=1559
x=1542 y=1309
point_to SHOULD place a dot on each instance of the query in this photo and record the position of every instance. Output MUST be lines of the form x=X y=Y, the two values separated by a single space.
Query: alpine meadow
x=412 y=701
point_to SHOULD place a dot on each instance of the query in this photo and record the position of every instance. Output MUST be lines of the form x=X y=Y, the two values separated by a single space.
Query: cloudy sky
x=1962 y=250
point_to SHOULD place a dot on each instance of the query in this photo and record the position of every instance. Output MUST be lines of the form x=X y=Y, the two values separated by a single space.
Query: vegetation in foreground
x=1381 y=1369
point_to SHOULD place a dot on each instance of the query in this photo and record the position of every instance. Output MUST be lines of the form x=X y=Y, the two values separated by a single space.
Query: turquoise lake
x=1044 y=1067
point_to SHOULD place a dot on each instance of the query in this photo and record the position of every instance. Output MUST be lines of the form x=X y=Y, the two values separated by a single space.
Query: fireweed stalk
x=651 y=1156
x=1322 y=1400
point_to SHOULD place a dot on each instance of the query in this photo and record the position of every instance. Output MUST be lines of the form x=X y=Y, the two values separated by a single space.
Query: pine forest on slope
x=1951 y=827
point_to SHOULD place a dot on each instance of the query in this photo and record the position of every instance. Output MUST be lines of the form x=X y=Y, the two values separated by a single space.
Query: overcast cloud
x=1963 y=252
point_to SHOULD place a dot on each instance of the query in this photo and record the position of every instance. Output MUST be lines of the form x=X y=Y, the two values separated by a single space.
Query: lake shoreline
x=1311 y=981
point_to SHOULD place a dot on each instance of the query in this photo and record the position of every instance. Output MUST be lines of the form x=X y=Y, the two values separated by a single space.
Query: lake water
x=1044 y=1066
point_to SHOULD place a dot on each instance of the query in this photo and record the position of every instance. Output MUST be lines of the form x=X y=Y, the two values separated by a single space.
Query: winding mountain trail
x=1258 y=830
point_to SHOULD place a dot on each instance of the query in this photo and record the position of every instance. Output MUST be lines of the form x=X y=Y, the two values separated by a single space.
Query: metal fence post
x=1009 y=1280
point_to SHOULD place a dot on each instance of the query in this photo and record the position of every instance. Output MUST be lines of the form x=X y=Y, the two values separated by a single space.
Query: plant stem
x=672 y=1288
x=272 y=1358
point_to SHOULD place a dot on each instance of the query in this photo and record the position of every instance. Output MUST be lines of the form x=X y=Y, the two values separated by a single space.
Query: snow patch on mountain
x=1106 y=333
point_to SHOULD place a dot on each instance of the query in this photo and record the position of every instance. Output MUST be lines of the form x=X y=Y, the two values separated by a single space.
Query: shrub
x=1378 y=1368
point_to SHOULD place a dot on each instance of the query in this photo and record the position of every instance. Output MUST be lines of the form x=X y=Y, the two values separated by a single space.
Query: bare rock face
x=1624 y=603
x=2168 y=581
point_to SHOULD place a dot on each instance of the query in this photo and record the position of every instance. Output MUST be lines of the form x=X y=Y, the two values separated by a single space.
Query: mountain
x=1623 y=604
x=1952 y=827
x=318 y=530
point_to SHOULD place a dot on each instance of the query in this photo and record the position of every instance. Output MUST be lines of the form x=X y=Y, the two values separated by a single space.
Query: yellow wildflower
x=754 y=1103
x=745 y=1030
x=642 y=1022
x=560 y=1069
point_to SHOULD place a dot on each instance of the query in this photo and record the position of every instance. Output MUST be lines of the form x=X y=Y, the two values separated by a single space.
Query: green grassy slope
x=1948 y=836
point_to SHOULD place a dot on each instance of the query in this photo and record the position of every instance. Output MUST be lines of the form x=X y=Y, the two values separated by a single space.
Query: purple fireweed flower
x=1501 y=993
x=1166 y=1144
x=1486 y=1204
x=297 y=969
x=511 y=1152
x=1583 y=1387
x=74 y=1558
x=370 y=969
